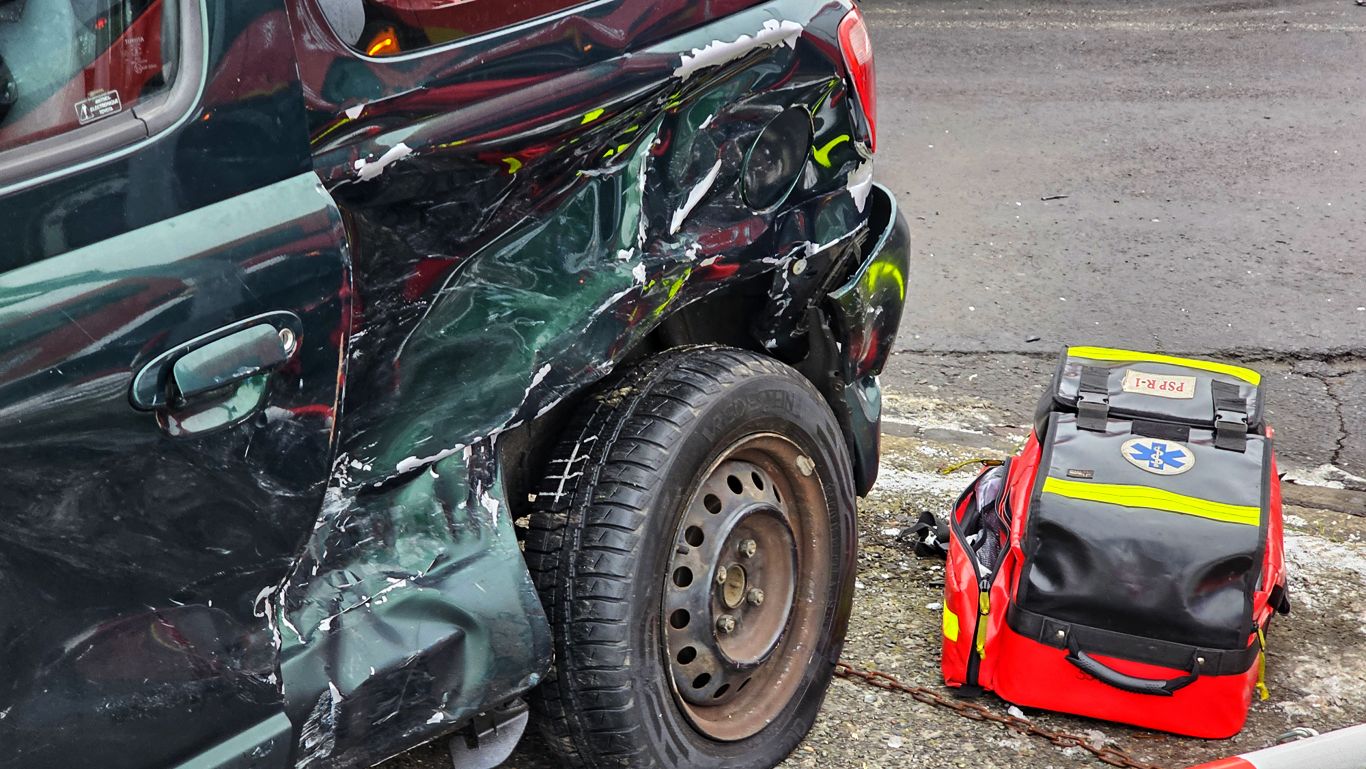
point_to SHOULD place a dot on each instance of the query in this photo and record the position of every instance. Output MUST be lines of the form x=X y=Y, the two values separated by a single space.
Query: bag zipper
x=970 y=687
x=979 y=633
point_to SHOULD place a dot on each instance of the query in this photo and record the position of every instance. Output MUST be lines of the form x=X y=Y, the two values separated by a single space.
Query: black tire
x=605 y=529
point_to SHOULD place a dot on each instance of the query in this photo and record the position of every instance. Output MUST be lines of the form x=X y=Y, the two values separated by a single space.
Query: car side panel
x=135 y=565
x=137 y=568
x=528 y=207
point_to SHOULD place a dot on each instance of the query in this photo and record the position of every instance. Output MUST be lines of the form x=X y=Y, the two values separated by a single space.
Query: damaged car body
x=326 y=327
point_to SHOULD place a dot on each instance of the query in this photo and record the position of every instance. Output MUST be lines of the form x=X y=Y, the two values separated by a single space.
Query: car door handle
x=221 y=362
x=216 y=360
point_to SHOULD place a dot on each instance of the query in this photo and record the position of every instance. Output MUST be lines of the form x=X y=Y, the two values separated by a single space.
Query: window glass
x=69 y=63
x=390 y=27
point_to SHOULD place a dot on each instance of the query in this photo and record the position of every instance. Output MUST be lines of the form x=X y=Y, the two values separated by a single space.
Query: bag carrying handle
x=1155 y=686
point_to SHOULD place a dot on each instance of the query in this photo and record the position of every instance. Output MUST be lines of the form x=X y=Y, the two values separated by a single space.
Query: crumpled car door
x=171 y=320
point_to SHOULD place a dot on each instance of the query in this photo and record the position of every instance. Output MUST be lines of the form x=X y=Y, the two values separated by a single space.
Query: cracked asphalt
x=1211 y=158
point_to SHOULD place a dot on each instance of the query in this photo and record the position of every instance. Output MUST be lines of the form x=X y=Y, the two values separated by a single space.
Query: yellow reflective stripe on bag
x=1133 y=356
x=950 y=624
x=1155 y=499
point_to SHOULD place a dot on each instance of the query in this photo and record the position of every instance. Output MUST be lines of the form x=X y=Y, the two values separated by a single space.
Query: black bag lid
x=1100 y=382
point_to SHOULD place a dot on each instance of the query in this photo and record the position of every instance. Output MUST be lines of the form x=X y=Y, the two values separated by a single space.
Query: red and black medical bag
x=1125 y=565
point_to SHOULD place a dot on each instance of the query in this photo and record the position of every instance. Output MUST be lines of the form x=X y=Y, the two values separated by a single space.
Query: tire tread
x=587 y=521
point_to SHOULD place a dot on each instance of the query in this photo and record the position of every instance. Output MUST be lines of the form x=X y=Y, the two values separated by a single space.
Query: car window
x=69 y=63
x=391 y=27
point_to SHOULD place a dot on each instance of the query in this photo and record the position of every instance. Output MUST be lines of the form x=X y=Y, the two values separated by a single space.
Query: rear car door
x=174 y=291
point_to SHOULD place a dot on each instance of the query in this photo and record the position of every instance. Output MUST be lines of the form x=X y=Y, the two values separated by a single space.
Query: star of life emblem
x=1157 y=456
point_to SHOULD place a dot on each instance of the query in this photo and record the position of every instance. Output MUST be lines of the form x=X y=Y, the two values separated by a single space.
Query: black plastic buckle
x=1230 y=419
x=1086 y=396
x=1093 y=410
x=1230 y=429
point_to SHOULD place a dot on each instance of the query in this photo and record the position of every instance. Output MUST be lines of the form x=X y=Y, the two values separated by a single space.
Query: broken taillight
x=858 y=59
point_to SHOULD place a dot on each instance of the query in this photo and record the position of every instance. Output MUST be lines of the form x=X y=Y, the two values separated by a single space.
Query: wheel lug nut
x=721 y=575
x=748 y=548
x=755 y=596
x=725 y=624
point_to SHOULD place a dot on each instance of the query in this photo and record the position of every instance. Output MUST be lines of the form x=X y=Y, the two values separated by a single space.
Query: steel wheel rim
x=756 y=521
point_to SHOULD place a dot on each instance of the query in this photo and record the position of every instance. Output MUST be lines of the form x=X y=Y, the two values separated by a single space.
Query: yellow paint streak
x=822 y=154
x=341 y=122
x=879 y=271
x=674 y=285
x=821 y=101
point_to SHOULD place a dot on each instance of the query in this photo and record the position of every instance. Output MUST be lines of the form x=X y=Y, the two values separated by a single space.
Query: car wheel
x=693 y=544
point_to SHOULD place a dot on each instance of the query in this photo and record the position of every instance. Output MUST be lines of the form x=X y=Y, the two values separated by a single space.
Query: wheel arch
x=724 y=317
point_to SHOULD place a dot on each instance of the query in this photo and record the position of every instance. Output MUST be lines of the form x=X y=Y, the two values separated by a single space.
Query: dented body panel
x=137 y=547
x=484 y=231
x=131 y=561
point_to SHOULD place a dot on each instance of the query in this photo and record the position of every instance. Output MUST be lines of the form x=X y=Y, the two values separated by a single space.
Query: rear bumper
x=865 y=317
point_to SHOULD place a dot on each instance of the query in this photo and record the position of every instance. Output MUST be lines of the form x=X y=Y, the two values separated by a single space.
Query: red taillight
x=858 y=59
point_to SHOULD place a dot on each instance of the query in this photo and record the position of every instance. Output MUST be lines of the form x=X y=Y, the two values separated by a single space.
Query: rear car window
x=391 y=27
x=69 y=63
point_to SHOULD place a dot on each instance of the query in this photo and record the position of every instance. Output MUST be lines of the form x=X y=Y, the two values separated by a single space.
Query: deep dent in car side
x=515 y=239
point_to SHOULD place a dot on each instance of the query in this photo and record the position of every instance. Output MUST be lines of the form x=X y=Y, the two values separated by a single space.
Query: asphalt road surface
x=1212 y=156
x=1213 y=159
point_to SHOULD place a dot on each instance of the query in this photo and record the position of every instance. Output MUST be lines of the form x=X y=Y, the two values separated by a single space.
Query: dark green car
x=369 y=368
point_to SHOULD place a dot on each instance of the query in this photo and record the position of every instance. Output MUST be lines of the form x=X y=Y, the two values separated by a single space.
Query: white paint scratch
x=413 y=463
x=695 y=197
x=259 y=607
x=773 y=34
x=612 y=300
x=811 y=249
x=490 y=506
x=640 y=190
x=861 y=183
x=369 y=169
x=538 y=377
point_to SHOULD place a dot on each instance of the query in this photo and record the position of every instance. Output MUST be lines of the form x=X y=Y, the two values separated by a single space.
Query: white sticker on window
x=100 y=105
x=1161 y=385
